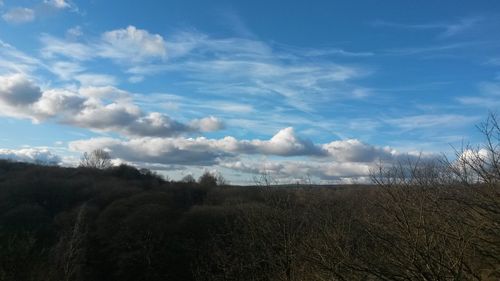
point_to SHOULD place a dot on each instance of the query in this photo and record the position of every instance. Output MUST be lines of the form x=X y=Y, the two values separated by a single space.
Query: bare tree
x=479 y=164
x=70 y=251
x=438 y=220
x=97 y=159
x=221 y=180
x=265 y=179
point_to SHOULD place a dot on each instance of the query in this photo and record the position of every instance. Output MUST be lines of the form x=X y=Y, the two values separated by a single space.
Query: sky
x=296 y=90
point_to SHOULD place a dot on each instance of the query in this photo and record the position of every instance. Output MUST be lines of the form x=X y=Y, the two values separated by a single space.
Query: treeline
x=422 y=220
x=121 y=224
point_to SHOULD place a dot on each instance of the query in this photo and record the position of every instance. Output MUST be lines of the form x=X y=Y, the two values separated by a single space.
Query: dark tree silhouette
x=207 y=180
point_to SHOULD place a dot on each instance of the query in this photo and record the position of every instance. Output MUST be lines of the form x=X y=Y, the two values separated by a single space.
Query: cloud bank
x=20 y=97
x=30 y=155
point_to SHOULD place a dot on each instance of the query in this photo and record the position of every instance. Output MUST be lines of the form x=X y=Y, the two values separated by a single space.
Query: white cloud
x=31 y=155
x=252 y=68
x=222 y=67
x=136 y=79
x=199 y=151
x=432 y=121
x=353 y=150
x=126 y=118
x=95 y=79
x=132 y=44
x=55 y=47
x=488 y=97
x=66 y=70
x=105 y=93
x=154 y=150
x=291 y=171
x=446 y=29
x=104 y=109
x=59 y=4
x=15 y=61
x=231 y=107
x=207 y=124
x=74 y=32
x=344 y=160
x=19 y=15
x=129 y=46
x=284 y=143
x=58 y=103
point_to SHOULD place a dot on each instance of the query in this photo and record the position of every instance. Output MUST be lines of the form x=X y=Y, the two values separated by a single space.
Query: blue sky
x=295 y=89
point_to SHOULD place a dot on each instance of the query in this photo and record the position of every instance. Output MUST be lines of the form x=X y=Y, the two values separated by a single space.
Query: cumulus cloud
x=128 y=119
x=353 y=150
x=155 y=150
x=131 y=122
x=106 y=109
x=19 y=15
x=203 y=152
x=17 y=90
x=207 y=124
x=284 y=143
x=31 y=155
x=20 y=97
x=343 y=160
x=17 y=96
x=58 y=102
x=296 y=170
x=198 y=151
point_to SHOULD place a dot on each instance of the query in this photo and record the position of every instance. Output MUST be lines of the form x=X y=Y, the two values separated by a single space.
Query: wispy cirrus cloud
x=444 y=29
x=253 y=68
x=130 y=45
x=488 y=97
x=426 y=121
x=14 y=61
x=19 y=15
x=432 y=49
x=217 y=66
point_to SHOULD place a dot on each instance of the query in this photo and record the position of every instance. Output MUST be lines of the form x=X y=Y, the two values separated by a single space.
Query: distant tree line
x=421 y=220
